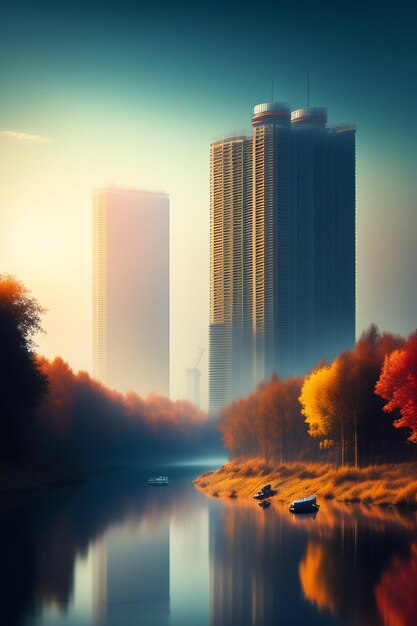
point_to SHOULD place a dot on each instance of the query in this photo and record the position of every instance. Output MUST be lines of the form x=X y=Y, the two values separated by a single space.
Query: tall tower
x=131 y=289
x=311 y=247
x=304 y=239
x=282 y=255
x=231 y=283
x=271 y=238
x=323 y=238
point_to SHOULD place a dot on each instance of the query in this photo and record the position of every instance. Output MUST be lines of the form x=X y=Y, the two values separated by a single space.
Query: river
x=116 y=552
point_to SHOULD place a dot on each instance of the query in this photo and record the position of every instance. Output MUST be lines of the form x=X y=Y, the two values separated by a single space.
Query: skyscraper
x=297 y=251
x=230 y=330
x=131 y=289
x=271 y=238
x=323 y=238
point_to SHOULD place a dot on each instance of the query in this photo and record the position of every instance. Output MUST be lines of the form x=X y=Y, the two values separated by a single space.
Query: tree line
x=48 y=411
x=336 y=412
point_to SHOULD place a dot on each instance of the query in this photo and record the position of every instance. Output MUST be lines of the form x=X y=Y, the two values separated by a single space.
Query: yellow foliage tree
x=320 y=400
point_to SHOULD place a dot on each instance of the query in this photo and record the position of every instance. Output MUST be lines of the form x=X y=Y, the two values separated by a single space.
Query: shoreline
x=382 y=485
x=34 y=477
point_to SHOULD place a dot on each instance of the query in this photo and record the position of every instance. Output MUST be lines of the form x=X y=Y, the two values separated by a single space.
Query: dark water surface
x=119 y=553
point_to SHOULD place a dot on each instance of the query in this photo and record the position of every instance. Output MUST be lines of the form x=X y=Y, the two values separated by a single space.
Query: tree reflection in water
x=349 y=565
x=396 y=592
x=345 y=563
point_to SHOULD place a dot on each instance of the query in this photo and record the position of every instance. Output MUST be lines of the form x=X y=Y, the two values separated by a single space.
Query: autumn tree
x=340 y=406
x=375 y=440
x=237 y=426
x=397 y=385
x=59 y=401
x=266 y=423
x=320 y=401
x=284 y=431
x=21 y=382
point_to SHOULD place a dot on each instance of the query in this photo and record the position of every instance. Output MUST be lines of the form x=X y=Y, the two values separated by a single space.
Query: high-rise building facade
x=230 y=330
x=323 y=239
x=131 y=289
x=298 y=252
x=271 y=238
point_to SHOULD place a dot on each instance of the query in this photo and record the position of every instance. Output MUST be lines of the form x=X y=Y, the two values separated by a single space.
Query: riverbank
x=35 y=476
x=391 y=484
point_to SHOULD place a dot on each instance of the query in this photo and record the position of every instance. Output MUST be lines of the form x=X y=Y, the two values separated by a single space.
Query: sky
x=94 y=93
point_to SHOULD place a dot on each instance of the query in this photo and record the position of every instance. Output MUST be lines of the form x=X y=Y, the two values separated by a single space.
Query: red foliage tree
x=398 y=385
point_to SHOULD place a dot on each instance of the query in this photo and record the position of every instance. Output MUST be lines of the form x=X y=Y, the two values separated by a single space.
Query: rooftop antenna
x=272 y=90
x=308 y=89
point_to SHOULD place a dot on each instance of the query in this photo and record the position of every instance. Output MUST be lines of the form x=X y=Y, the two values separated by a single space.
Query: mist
x=81 y=419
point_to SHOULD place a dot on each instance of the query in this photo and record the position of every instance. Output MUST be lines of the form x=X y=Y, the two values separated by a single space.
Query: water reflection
x=117 y=552
x=130 y=569
x=349 y=564
x=255 y=555
x=115 y=524
x=395 y=593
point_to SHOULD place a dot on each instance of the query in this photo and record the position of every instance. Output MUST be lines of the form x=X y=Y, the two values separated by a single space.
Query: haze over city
x=97 y=95
x=208 y=313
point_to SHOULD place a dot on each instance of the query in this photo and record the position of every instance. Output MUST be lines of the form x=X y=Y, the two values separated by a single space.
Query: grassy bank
x=378 y=484
x=34 y=476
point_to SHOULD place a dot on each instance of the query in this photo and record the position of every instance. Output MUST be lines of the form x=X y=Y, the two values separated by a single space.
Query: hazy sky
x=94 y=93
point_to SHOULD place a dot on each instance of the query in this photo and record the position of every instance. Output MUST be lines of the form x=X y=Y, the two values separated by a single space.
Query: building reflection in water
x=154 y=572
x=351 y=565
x=112 y=552
x=254 y=579
x=153 y=568
x=189 y=567
x=131 y=575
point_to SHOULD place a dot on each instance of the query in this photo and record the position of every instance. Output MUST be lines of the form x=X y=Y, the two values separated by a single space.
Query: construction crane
x=193 y=380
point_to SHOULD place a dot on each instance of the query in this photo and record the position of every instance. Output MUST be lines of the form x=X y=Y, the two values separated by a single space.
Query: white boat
x=304 y=505
x=158 y=481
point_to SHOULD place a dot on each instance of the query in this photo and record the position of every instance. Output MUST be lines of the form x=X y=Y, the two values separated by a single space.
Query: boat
x=304 y=505
x=264 y=493
x=158 y=481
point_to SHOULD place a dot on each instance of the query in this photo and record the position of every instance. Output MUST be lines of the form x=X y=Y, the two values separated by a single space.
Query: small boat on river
x=304 y=505
x=158 y=481
x=264 y=493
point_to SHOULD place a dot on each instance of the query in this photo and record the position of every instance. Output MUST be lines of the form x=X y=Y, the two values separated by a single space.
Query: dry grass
x=383 y=484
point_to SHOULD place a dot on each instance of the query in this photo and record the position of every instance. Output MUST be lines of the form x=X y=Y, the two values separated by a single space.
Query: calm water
x=119 y=553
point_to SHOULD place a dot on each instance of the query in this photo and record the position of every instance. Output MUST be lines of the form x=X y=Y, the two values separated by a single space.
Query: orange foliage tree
x=237 y=426
x=338 y=404
x=267 y=423
x=338 y=400
x=398 y=385
x=83 y=420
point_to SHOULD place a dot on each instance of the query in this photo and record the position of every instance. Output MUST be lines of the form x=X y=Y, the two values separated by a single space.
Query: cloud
x=13 y=134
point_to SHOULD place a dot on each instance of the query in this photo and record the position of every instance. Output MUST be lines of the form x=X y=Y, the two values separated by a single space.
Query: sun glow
x=35 y=241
